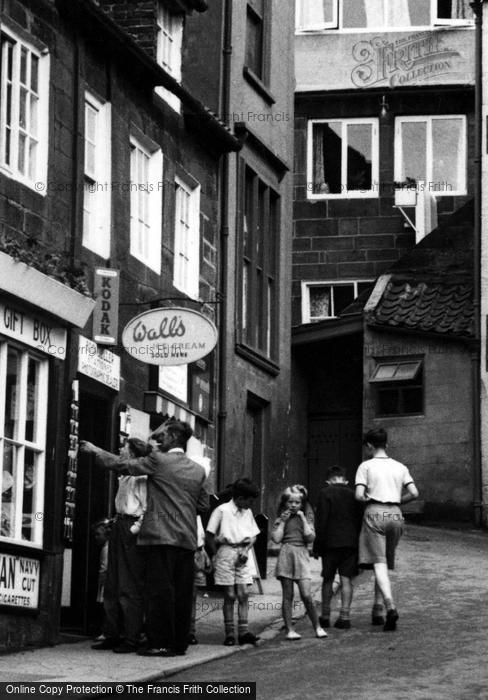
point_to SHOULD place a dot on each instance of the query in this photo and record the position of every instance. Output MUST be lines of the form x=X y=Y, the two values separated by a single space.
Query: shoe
x=292 y=635
x=324 y=622
x=230 y=641
x=391 y=620
x=125 y=648
x=342 y=624
x=248 y=638
x=106 y=644
x=192 y=639
x=152 y=651
x=320 y=633
x=377 y=620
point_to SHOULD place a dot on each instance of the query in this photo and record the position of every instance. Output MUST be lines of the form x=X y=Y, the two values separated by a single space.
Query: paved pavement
x=439 y=650
x=77 y=662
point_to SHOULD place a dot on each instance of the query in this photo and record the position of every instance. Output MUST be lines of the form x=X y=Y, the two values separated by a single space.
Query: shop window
x=186 y=274
x=323 y=300
x=343 y=158
x=398 y=387
x=259 y=245
x=169 y=45
x=24 y=110
x=97 y=180
x=146 y=172
x=23 y=411
x=432 y=149
x=318 y=15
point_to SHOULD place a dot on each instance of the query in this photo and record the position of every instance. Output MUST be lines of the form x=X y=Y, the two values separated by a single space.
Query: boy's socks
x=344 y=614
x=229 y=627
x=242 y=627
x=390 y=605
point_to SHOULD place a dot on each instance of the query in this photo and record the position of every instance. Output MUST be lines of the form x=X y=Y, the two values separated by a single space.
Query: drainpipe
x=477 y=7
x=224 y=244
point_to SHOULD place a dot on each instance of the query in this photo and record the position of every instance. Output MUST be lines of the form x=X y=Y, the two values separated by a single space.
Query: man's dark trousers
x=124 y=587
x=169 y=596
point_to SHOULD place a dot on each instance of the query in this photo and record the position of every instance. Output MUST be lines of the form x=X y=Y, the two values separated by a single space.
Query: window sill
x=257 y=359
x=350 y=195
x=39 y=186
x=327 y=31
x=258 y=85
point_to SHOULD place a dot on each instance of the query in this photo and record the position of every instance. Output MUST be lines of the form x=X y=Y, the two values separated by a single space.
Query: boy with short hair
x=231 y=532
x=338 y=523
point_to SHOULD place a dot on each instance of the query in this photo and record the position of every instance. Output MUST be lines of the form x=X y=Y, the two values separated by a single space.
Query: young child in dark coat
x=338 y=522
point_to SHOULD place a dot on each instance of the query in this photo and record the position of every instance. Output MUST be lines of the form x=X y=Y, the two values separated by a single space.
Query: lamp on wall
x=385 y=107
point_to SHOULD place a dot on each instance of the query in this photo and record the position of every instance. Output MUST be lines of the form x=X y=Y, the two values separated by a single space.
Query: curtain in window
x=318 y=184
x=316 y=12
x=374 y=12
x=398 y=14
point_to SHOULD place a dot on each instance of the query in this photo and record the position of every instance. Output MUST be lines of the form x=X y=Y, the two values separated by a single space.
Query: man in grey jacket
x=175 y=494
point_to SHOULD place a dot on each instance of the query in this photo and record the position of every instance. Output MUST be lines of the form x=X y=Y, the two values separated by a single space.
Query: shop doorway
x=93 y=498
x=254 y=441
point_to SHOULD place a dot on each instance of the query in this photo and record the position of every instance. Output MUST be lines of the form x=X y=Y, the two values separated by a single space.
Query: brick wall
x=138 y=18
x=360 y=238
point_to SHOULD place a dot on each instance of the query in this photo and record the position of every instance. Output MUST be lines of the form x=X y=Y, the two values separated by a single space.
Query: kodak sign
x=106 y=313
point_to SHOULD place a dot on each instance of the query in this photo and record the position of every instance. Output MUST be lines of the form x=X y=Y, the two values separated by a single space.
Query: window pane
x=384 y=372
x=319 y=302
x=327 y=157
x=412 y=400
x=31 y=418
x=316 y=13
x=447 y=157
x=34 y=73
x=23 y=66
x=362 y=13
x=407 y=13
x=388 y=401
x=413 y=150
x=343 y=296
x=407 y=370
x=12 y=395
x=359 y=156
x=28 y=499
x=254 y=43
x=7 y=514
x=454 y=9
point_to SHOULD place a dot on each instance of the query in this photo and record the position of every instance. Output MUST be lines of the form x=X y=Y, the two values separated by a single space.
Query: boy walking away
x=383 y=484
x=231 y=532
x=338 y=523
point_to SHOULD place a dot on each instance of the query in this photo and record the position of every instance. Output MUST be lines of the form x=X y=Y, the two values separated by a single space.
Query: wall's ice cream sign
x=170 y=336
x=408 y=60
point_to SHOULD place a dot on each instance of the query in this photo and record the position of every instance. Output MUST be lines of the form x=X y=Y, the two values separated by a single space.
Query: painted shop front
x=37 y=314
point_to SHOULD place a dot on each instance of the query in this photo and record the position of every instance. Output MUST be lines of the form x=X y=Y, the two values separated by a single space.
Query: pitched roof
x=430 y=289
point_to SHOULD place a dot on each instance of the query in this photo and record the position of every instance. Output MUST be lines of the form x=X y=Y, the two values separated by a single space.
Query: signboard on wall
x=101 y=365
x=32 y=329
x=174 y=381
x=106 y=311
x=346 y=60
x=169 y=336
x=19 y=581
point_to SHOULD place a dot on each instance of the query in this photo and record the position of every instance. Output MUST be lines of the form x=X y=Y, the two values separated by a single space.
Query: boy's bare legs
x=383 y=583
x=378 y=612
x=327 y=595
x=346 y=593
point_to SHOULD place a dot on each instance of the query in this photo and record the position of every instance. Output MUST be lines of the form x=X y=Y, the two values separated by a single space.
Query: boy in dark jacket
x=337 y=524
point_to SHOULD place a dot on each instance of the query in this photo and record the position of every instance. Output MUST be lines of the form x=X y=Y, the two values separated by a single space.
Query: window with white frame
x=23 y=411
x=398 y=386
x=186 y=273
x=323 y=300
x=353 y=15
x=169 y=44
x=24 y=110
x=343 y=158
x=432 y=149
x=97 y=179
x=146 y=173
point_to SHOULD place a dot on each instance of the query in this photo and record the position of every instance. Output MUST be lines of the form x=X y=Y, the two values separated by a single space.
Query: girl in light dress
x=294 y=530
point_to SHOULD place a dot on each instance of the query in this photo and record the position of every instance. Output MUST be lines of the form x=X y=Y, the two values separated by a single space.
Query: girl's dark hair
x=138 y=447
x=244 y=488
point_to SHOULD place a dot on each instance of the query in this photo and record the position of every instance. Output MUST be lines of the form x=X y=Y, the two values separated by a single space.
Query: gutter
x=102 y=28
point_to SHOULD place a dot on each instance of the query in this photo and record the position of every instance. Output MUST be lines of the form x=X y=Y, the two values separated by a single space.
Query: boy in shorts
x=338 y=523
x=231 y=532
